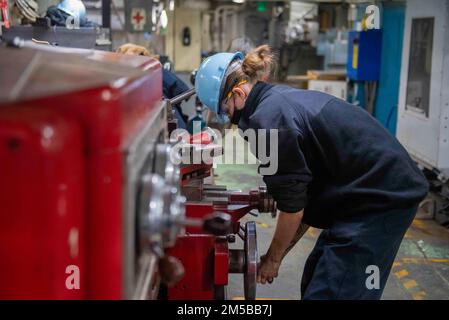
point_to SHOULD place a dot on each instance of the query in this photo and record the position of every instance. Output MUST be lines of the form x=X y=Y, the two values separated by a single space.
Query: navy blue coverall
x=173 y=86
x=352 y=178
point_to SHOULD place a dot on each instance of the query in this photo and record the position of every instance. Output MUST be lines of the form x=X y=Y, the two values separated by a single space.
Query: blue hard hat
x=75 y=8
x=209 y=80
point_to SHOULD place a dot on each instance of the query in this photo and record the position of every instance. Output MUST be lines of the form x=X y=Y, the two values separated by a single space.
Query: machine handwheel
x=251 y=257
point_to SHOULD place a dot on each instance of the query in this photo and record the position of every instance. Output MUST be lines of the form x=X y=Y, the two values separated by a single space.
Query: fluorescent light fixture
x=238 y=1
x=164 y=19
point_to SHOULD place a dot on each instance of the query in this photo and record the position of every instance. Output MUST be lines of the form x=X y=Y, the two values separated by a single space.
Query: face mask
x=236 y=116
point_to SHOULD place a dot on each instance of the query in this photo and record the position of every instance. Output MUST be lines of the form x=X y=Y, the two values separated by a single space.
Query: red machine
x=76 y=130
x=207 y=258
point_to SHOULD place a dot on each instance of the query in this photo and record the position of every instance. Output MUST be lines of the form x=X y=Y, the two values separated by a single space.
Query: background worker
x=172 y=85
x=338 y=170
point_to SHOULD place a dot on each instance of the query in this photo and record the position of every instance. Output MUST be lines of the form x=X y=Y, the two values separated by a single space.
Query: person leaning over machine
x=172 y=85
x=338 y=170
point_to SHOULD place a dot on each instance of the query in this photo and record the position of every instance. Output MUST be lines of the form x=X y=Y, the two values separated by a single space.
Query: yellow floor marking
x=263 y=225
x=418 y=223
x=424 y=260
x=413 y=260
x=401 y=274
x=410 y=284
x=439 y=260
x=419 y=295
x=421 y=226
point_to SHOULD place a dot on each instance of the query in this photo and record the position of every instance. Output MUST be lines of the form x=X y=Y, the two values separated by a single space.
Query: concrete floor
x=421 y=269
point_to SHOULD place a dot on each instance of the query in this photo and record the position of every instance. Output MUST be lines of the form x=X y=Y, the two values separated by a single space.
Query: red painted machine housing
x=206 y=257
x=41 y=158
x=66 y=121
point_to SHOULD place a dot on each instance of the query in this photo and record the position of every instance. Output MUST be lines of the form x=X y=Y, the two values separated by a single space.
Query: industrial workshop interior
x=225 y=150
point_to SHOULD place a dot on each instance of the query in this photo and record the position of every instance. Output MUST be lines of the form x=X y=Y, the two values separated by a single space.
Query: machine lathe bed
x=140 y=226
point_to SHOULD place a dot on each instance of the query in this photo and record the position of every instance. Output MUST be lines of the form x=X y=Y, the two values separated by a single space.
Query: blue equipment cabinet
x=364 y=54
x=386 y=108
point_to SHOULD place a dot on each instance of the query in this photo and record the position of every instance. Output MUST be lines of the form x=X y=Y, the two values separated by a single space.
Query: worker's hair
x=134 y=49
x=258 y=62
x=256 y=65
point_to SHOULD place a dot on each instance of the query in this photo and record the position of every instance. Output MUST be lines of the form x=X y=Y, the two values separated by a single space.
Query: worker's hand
x=268 y=269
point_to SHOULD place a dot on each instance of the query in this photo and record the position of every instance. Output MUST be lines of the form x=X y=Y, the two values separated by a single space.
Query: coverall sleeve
x=288 y=185
x=172 y=84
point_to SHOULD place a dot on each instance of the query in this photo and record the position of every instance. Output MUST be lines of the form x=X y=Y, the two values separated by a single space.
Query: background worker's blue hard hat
x=209 y=80
x=75 y=8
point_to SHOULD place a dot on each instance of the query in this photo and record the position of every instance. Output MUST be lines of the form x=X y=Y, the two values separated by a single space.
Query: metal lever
x=172 y=121
x=183 y=96
x=217 y=223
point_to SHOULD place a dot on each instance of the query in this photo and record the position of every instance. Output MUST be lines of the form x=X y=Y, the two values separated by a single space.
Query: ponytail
x=259 y=62
x=256 y=66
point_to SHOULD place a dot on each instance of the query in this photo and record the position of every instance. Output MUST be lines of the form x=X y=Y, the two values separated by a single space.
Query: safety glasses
x=224 y=104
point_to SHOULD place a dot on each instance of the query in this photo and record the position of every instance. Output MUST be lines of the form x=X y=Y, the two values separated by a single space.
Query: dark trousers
x=353 y=258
